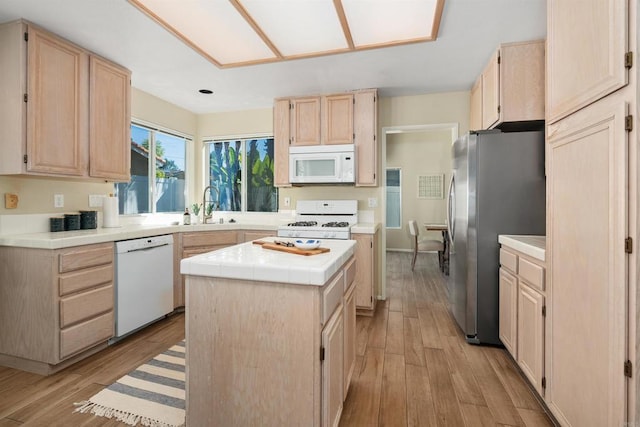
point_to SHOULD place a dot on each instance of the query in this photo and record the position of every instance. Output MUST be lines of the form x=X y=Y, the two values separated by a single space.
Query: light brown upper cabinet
x=513 y=84
x=344 y=118
x=337 y=121
x=305 y=121
x=281 y=138
x=475 y=116
x=586 y=53
x=365 y=127
x=110 y=120
x=59 y=116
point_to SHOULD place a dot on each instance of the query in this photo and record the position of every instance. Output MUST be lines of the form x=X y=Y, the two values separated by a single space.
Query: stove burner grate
x=336 y=224
x=302 y=224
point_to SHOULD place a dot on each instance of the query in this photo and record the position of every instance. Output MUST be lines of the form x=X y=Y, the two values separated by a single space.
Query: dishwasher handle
x=146 y=248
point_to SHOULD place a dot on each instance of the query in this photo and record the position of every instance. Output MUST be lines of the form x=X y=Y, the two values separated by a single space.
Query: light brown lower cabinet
x=366 y=272
x=522 y=313
x=59 y=303
x=277 y=355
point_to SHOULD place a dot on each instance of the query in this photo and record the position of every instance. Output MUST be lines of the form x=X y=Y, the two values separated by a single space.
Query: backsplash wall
x=35 y=194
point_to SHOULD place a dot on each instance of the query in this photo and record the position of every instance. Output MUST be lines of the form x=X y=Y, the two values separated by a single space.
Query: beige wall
x=416 y=154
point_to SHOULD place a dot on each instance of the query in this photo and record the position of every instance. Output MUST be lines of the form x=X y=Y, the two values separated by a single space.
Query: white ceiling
x=164 y=66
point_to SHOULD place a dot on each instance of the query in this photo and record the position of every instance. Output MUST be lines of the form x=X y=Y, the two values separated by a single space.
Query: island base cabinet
x=332 y=369
x=268 y=354
x=253 y=353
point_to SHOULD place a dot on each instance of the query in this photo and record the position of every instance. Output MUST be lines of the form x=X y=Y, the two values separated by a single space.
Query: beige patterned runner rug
x=151 y=395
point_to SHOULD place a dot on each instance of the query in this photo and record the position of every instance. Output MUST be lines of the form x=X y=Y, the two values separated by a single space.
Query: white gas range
x=322 y=219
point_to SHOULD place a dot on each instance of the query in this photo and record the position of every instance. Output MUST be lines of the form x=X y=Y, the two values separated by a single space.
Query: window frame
x=206 y=141
x=153 y=128
x=400 y=207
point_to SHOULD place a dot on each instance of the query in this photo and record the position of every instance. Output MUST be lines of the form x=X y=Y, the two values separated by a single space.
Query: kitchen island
x=270 y=335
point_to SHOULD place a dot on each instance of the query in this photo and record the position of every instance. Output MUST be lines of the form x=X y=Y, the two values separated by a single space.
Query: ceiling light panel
x=380 y=22
x=213 y=27
x=299 y=27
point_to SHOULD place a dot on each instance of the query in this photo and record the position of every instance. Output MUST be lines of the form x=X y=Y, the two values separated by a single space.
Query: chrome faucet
x=205 y=215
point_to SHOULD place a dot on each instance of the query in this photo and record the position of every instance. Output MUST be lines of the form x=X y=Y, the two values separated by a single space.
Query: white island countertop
x=248 y=261
x=534 y=246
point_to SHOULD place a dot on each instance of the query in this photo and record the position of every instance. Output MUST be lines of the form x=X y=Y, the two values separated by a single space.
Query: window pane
x=225 y=175
x=262 y=196
x=170 y=173
x=394 y=202
x=134 y=195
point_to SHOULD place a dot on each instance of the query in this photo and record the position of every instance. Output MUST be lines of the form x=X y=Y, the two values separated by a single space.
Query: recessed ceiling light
x=263 y=31
x=206 y=91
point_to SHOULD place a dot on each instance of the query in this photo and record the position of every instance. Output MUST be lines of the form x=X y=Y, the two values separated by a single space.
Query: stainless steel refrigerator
x=497 y=187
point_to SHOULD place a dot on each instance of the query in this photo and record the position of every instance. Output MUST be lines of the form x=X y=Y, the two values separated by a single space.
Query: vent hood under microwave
x=322 y=164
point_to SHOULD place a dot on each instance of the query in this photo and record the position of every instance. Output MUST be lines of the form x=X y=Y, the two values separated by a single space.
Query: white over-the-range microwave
x=322 y=164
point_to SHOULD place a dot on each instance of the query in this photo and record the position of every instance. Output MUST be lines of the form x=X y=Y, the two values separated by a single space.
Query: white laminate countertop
x=66 y=239
x=534 y=246
x=248 y=261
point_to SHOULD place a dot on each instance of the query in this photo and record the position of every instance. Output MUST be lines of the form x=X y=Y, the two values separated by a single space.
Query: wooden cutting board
x=291 y=250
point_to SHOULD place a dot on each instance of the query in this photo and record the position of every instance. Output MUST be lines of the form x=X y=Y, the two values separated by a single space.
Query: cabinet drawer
x=204 y=238
x=85 y=279
x=85 y=257
x=332 y=296
x=532 y=273
x=509 y=260
x=86 y=334
x=186 y=253
x=85 y=305
x=349 y=273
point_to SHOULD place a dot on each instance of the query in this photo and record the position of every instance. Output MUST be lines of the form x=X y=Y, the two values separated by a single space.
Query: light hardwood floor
x=413 y=368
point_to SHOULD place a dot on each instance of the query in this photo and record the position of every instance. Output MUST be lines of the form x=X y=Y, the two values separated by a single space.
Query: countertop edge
x=528 y=245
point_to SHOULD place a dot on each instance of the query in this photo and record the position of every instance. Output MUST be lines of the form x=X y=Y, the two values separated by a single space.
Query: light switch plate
x=287 y=202
x=58 y=200
x=373 y=202
x=10 y=201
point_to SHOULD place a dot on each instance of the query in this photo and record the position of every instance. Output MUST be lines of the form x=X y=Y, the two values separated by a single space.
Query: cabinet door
x=586 y=230
x=281 y=136
x=57 y=108
x=337 y=112
x=305 y=121
x=365 y=127
x=508 y=311
x=364 y=270
x=475 y=116
x=349 y=337
x=491 y=92
x=586 y=45
x=531 y=335
x=332 y=365
x=109 y=121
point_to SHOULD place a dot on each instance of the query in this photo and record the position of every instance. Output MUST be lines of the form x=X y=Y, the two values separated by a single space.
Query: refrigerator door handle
x=451 y=210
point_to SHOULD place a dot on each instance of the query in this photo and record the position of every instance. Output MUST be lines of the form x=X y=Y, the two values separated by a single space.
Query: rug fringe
x=128 y=418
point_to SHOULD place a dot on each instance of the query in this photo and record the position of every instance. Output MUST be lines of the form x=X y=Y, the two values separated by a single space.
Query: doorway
x=410 y=135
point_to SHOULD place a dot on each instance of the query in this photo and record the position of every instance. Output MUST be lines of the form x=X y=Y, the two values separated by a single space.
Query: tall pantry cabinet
x=592 y=222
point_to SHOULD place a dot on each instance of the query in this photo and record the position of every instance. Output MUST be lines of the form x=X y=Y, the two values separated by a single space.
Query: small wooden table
x=445 y=237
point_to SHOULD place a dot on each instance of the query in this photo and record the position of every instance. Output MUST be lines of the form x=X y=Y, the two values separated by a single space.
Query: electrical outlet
x=10 y=201
x=95 y=200
x=58 y=200
x=287 y=202
x=373 y=202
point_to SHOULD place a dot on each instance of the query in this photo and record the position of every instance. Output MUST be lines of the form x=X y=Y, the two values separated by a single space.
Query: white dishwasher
x=144 y=282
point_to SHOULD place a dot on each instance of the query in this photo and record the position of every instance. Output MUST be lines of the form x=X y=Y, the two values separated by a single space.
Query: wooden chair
x=424 y=245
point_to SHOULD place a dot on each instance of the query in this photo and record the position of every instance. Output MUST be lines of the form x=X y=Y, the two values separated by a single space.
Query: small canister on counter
x=88 y=219
x=56 y=224
x=72 y=221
